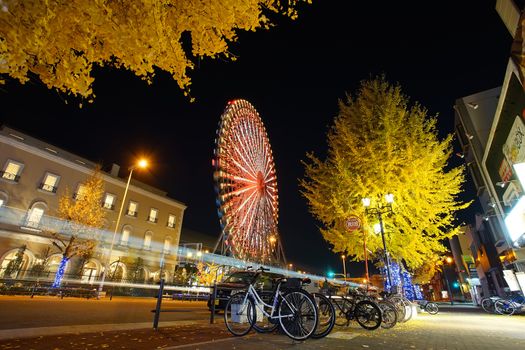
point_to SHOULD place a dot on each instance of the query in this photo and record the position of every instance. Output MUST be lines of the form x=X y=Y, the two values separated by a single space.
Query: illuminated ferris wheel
x=246 y=186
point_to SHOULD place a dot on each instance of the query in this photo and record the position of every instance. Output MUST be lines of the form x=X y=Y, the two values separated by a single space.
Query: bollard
x=159 y=302
x=212 y=303
x=34 y=289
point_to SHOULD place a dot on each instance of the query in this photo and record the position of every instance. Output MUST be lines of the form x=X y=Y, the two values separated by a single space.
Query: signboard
x=508 y=145
x=515 y=221
x=353 y=223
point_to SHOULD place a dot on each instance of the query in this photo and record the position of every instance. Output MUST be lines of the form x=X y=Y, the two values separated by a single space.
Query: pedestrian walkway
x=444 y=331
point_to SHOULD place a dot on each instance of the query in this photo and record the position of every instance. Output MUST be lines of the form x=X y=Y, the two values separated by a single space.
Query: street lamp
x=449 y=261
x=142 y=164
x=379 y=210
x=344 y=265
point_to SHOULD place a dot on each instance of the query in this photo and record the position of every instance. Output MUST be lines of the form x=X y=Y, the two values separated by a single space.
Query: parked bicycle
x=430 y=307
x=388 y=309
x=488 y=303
x=402 y=304
x=292 y=308
x=509 y=306
x=367 y=313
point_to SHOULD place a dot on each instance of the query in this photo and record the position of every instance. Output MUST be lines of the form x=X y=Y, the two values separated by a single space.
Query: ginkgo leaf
x=61 y=41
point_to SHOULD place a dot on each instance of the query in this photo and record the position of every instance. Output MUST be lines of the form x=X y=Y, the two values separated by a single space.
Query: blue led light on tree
x=60 y=272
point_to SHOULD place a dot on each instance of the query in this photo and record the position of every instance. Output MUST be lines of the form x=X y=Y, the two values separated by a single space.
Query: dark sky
x=294 y=75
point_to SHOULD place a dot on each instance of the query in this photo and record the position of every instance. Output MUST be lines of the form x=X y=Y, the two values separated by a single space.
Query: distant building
x=490 y=127
x=34 y=175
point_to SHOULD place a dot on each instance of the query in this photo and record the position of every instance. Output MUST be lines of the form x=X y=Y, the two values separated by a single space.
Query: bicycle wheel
x=504 y=307
x=343 y=308
x=400 y=308
x=388 y=314
x=488 y=305
x=298 y=314
x=326 y=313
x=263 y=323
x=408 y=309
x=432 y=308
x=368 y=315
x=239 y=314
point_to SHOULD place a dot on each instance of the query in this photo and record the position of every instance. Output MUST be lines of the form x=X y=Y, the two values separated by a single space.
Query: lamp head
x=389 y=198
x=366 y=202
x=142 y=163
x=449 y=260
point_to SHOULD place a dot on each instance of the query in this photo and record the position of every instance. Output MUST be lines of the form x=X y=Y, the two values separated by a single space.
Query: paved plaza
x=92 y=324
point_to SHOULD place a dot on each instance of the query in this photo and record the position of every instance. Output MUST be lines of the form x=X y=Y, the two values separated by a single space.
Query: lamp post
x=142 y=163
x=379 y=210
x=344 y=265
x=449 y=261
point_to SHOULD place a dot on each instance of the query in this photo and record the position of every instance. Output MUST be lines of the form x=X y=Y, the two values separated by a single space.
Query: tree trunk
x=60 y=272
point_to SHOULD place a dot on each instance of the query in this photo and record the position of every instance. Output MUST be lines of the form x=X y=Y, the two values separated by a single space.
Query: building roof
x=75 y=159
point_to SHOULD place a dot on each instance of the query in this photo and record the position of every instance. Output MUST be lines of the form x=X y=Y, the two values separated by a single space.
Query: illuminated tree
x=83 y=215
x=14 y=266
x=61 y=41
x=424 y=273
x=209 y=273
x=379 y=144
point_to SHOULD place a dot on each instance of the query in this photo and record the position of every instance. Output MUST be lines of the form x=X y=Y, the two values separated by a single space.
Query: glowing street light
x=142 y=164
x=344 y=265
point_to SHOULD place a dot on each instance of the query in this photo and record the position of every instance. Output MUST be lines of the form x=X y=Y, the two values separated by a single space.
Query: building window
x=153 y=213
x=12 y=170
x=171 y=221
x=81 y=192
x=35 y=214
x=147 y=240
x=132 y=208
x=167 y=245
x=50 y=183
x=124 y=238
x=109 y=201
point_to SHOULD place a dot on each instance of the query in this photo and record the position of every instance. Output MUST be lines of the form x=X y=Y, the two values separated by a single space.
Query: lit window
x=12 y=170
x=3 y=198
x=171 y=221
x=167 y=245
x=132 y=208
x=153 y=215
x=1 y=202
x=147 y=240
x=109 y=201
x=81 y=191
x=124 y=238
x=34 y=217
x=50 y=183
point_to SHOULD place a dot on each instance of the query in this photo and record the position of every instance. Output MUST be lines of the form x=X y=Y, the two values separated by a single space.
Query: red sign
x=353 y=223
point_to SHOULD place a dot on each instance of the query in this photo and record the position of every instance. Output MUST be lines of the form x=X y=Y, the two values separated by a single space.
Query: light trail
x=17 y=217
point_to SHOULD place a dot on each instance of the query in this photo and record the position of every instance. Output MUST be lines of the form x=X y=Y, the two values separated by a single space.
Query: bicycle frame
x=343 y=299
x=258 y=301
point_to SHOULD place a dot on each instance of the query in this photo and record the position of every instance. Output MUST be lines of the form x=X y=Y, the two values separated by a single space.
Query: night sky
x=294 y=75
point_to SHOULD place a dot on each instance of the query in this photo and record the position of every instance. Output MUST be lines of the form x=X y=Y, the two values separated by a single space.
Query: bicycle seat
x=306 y=281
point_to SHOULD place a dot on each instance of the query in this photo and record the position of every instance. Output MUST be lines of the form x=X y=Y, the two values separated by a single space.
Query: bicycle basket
x=291 y=283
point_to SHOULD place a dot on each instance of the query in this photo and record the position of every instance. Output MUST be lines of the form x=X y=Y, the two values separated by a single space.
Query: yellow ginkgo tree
x=380 y=144
x=60 y=41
